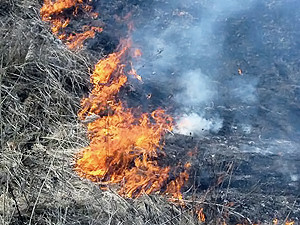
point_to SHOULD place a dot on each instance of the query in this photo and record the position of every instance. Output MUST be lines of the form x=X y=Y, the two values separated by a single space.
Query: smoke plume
x=224 y=66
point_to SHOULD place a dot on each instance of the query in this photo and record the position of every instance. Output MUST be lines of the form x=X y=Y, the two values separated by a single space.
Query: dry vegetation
x=42 y=83
x=41 y=86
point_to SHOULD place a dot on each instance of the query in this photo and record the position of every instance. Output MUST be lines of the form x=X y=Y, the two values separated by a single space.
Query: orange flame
x=201 y=215
x=134 y=73
x=276 y=221
x=54 y=12
x=137 y=53
x=123 y=146
x=77 y=40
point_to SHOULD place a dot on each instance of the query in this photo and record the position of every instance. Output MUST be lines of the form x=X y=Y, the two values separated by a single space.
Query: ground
x=42 y=83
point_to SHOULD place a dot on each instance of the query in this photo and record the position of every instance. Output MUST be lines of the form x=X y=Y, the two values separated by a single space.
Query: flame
x=54 y=12
x=201 y=215
x=124 y=147
x=76 y=41
x=175 y=186
x=137 y=53
x=134 y=73
x=276 y=221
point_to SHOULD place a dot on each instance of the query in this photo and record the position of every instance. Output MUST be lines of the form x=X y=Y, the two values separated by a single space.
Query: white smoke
x=176 y=44
x=194 y=124
x=197 y=88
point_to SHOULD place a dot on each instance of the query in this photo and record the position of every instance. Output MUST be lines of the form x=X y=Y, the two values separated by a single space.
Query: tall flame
x=124 y=147
x=55 y=13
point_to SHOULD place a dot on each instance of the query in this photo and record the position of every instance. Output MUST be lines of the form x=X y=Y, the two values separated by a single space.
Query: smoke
x=194 y=124
x=223 y=66
x=196 y=88
x=181 y=49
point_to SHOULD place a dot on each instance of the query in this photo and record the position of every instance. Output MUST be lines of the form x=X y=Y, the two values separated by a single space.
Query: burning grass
x=42 y=83
x=61 y=12
x=41 y=86
x=124 y=146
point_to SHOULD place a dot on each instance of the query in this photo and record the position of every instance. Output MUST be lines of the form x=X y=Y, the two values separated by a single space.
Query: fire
x=124 y=147
x=76 y=41
x=55 y=13
x=201 y=215
x=276 y=221
x=137 y=53
x=134 y=73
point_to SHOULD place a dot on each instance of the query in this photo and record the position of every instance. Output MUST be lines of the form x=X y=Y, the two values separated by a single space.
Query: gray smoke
x=225 y=64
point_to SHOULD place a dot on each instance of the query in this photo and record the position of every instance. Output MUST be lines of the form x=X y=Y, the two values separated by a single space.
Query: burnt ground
x=252 y=162
x=237 y=175
x=254 y=184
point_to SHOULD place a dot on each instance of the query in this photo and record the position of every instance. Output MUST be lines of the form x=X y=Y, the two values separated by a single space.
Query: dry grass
x=42 y=83
x=41 y=86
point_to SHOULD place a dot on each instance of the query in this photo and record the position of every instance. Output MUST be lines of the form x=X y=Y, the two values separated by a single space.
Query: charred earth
x=247 y=170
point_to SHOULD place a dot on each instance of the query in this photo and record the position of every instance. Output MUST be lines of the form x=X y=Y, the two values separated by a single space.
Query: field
x=235 y=177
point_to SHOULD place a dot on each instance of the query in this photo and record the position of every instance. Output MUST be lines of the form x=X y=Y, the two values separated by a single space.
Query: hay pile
x=41 y=86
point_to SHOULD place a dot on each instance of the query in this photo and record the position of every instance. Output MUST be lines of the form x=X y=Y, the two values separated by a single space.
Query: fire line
x=124 y=147
x=55 y=13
